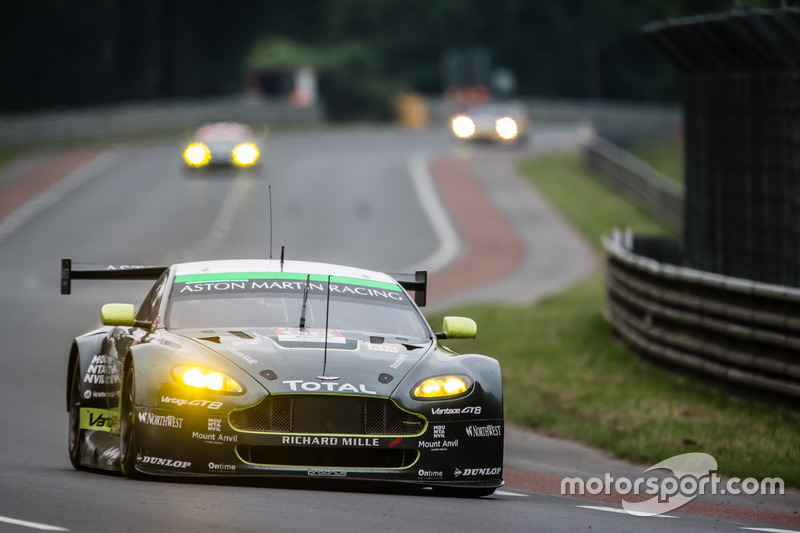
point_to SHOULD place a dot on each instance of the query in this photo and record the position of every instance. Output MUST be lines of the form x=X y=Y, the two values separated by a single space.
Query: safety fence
x=637 y=181
x=740 y=331
x=102 y=123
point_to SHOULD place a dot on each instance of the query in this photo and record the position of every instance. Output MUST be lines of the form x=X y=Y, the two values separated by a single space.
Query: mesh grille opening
x=327 y=414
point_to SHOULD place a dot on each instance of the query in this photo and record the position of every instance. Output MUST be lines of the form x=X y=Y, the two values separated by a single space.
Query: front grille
x=327 y=414
x=327 y=456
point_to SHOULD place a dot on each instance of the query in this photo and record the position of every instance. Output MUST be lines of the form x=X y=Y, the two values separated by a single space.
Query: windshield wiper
x=305 y=301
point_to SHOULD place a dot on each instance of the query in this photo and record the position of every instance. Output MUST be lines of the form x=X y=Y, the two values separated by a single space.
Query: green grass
x=664 y=154
x=565 y=375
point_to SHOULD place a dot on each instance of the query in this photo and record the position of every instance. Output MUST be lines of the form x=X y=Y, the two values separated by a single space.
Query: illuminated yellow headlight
x=441 y=387
x=463 y=127
x=197 y=155
x=203 y=378
x=245 y=154
x=506 y=128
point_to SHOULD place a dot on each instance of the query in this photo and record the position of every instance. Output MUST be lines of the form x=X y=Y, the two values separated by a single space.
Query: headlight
x=463 y=127
x=442 y=387
x=245 y=154
x=197 y=155
x=204 y=378
x=506 y=128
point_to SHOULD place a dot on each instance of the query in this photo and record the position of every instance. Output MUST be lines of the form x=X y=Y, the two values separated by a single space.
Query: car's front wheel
x=127 y=423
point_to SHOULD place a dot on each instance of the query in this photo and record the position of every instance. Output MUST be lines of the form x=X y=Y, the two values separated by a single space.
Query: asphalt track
x=380 y=198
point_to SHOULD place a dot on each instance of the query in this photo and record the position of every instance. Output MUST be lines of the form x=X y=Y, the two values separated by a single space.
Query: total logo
x=313 y=386
x=468 y=472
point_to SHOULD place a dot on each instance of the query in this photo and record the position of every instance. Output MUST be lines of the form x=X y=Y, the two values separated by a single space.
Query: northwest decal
x=102 y=371
x=284 y=282
x=164 y=421
x=489 y=430
x=100 y=420
x=313 y=386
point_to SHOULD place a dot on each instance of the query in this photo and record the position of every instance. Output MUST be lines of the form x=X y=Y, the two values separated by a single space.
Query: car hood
x=294 y=360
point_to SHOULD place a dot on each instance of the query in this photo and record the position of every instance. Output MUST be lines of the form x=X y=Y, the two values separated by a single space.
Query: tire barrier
x=741 y=331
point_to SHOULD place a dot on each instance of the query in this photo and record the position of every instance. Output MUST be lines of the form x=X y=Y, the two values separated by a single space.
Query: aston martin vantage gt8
x=282 y=369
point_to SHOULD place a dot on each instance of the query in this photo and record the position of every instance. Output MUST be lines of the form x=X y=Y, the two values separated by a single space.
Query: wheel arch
x=83 y=349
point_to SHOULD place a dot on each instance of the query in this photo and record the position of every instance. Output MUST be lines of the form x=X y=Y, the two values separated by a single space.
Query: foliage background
x=59 y=53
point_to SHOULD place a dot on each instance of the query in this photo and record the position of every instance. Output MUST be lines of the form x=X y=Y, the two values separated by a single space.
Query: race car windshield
x=276 y=300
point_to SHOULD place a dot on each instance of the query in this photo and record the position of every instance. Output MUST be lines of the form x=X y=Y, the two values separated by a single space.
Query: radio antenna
x=270 y=221
x=327 y=317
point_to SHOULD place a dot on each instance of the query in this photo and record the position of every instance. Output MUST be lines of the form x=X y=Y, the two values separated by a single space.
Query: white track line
x=506 y=493
x=32 y=525
x=620 y=511
x=770 y=529
x=222 y=226
x=449 y=243
x=54 y=193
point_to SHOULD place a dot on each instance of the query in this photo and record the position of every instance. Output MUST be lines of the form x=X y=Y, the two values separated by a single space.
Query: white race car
x=224 y=144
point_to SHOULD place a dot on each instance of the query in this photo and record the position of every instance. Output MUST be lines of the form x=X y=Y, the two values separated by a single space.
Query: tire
x=128 y=442
x=75 y=437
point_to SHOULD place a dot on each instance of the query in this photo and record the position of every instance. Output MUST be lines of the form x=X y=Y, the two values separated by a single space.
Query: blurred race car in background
x=282 y=369
x=495 y=122
x=222 y=144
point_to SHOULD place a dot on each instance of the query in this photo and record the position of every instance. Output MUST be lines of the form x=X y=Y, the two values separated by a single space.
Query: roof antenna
x=270 y=221
x=327 y=316
x=282 y=247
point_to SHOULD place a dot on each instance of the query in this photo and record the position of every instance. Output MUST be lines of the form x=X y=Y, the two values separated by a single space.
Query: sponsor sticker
x=160 y=461
x=471 y=472
x=456 y=410
x=489 y=430
x=164 y=421
x=99 y=420
x=327 y=473
x=335 y=386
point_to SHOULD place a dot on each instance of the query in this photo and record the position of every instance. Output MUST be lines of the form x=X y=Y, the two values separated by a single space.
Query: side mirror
x=458 y=327
x=118 y=315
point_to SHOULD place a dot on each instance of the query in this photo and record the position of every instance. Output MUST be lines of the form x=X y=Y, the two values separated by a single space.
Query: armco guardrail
x=637 y=181
x=742 y=331
x=99 y=123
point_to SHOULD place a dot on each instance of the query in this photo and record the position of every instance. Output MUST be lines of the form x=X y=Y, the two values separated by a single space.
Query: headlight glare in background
x=197 y=155
x=506 y=128
x=245 y=154
x=463 y=126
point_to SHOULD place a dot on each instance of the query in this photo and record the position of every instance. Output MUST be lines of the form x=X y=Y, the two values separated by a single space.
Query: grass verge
x=565 y=375
x=664 y=154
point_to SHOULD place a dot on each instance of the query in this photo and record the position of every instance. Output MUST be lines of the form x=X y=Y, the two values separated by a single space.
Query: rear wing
x=70 y=271
x=416 y=282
